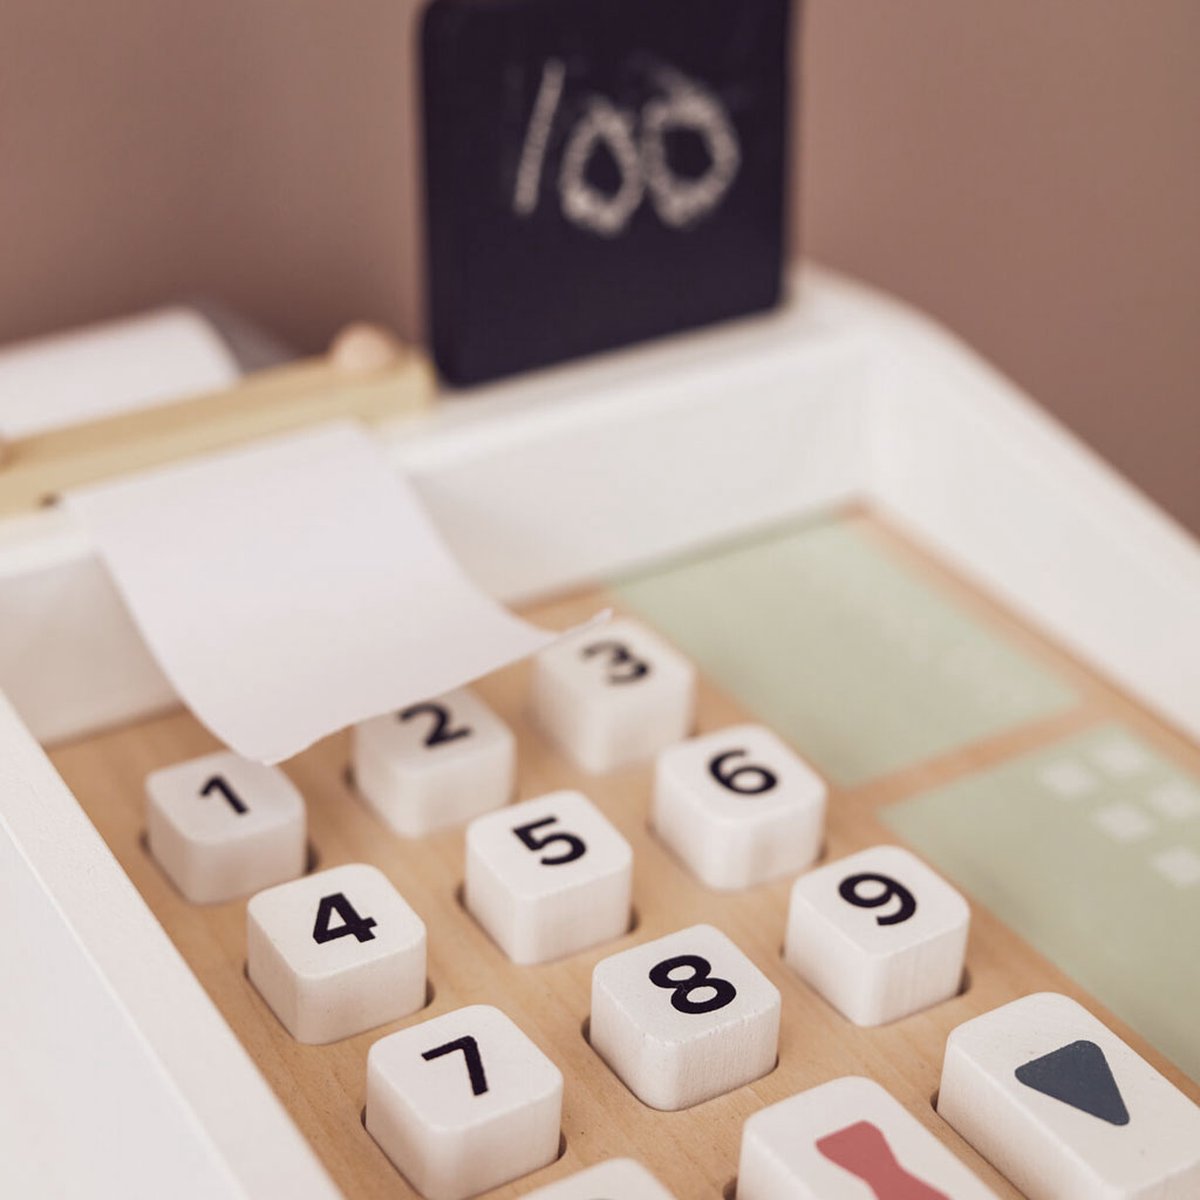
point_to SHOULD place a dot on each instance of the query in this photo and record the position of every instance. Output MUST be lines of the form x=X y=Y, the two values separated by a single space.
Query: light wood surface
x=34 y=470
x=695 y=1151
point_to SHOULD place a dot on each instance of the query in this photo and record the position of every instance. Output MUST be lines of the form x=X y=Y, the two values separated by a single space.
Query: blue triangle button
x=1078 y=1075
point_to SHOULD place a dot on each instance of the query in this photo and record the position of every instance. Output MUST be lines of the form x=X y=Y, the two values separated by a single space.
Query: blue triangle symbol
x=1078 y=1075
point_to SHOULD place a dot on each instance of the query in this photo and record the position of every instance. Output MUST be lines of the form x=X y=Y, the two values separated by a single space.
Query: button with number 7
x=879 y=934
x=463 y=1103
x=336 y=953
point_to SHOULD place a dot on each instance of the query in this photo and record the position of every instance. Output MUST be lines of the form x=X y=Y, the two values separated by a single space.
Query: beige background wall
x=1027 y=171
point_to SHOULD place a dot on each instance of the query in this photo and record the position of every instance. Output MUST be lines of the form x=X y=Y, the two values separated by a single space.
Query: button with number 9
x=879 y=934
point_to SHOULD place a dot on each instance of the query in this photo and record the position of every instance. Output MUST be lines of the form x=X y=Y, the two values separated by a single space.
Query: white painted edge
x=173 y=1066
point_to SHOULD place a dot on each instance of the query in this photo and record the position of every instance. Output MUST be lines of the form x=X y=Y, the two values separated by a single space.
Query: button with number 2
x=463 y=1103
x=684 y=1018
x=878 y=934
x=336 y=953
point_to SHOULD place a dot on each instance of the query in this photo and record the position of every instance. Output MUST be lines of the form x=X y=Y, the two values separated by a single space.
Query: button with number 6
x=684 y=1018
x=879 y=934
x=738 y=806
x=336 y=953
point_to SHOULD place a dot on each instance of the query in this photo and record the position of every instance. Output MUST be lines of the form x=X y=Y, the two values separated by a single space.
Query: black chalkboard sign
x=599 y=172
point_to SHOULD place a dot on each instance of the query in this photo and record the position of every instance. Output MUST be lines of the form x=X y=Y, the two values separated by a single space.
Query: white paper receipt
x=295 y=586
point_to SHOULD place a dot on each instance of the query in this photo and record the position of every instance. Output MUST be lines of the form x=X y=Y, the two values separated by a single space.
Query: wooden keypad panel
x=694 y=1151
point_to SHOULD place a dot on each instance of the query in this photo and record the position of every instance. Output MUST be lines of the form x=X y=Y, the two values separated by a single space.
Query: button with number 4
x=336 y=953
x=878 y=934
x=435 y=764
x=684 y=1018
x=463 y=1103
x=738 y=807
x=222 y=827
x=549 y=877
x=613 y=695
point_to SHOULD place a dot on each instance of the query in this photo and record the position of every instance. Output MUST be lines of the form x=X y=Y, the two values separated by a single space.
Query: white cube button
x=463 y=1103
x=221 y=826
x=434 y=764
x=336 y=953
x=684 y=1018
x=617 y=1179
x=738 y=807
x=613 y=695
x=878 y=934
x=549 y=877
x=1065 y=1109
x=848 y=1140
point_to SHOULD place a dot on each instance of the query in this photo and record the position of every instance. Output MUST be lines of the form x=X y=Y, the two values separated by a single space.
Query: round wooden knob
x=362 y=348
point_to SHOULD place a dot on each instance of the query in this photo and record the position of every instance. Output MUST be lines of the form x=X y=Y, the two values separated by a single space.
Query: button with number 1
x=878 y=934
x=463 y=1103
x=336 y=953
x=222 y=826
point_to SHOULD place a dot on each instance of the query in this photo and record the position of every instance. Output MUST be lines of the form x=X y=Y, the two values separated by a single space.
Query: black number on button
x=848 y=889
x=218 y=785
x=441 y=731
x=746 y=780
x=623 y=665
x=575 y=846
x=351 y=923
x=470 y=1049
x=701 y=979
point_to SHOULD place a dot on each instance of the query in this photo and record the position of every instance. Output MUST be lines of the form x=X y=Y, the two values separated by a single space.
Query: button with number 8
x=463 y=1103
x=336 y=953
x=684 y=1018
x=878 y=934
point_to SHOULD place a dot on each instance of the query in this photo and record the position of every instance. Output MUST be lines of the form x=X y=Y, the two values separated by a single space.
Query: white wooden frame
x=542 y=483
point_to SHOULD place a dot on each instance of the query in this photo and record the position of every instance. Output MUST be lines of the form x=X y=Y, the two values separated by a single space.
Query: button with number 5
x=549 y=877
x=463 y=1103
x=336 y=953
x=684 y=1018
x=878 y=934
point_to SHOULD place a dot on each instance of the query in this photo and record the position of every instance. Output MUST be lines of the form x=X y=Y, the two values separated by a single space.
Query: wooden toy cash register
x=857 y=855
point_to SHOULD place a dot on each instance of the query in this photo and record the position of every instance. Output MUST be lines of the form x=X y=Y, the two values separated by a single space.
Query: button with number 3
x=336 y=953
x=222 y=826
x=463 y=1103
x=614 y=695
x=549 y=877
x=684 y=1018
x=878 y=934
